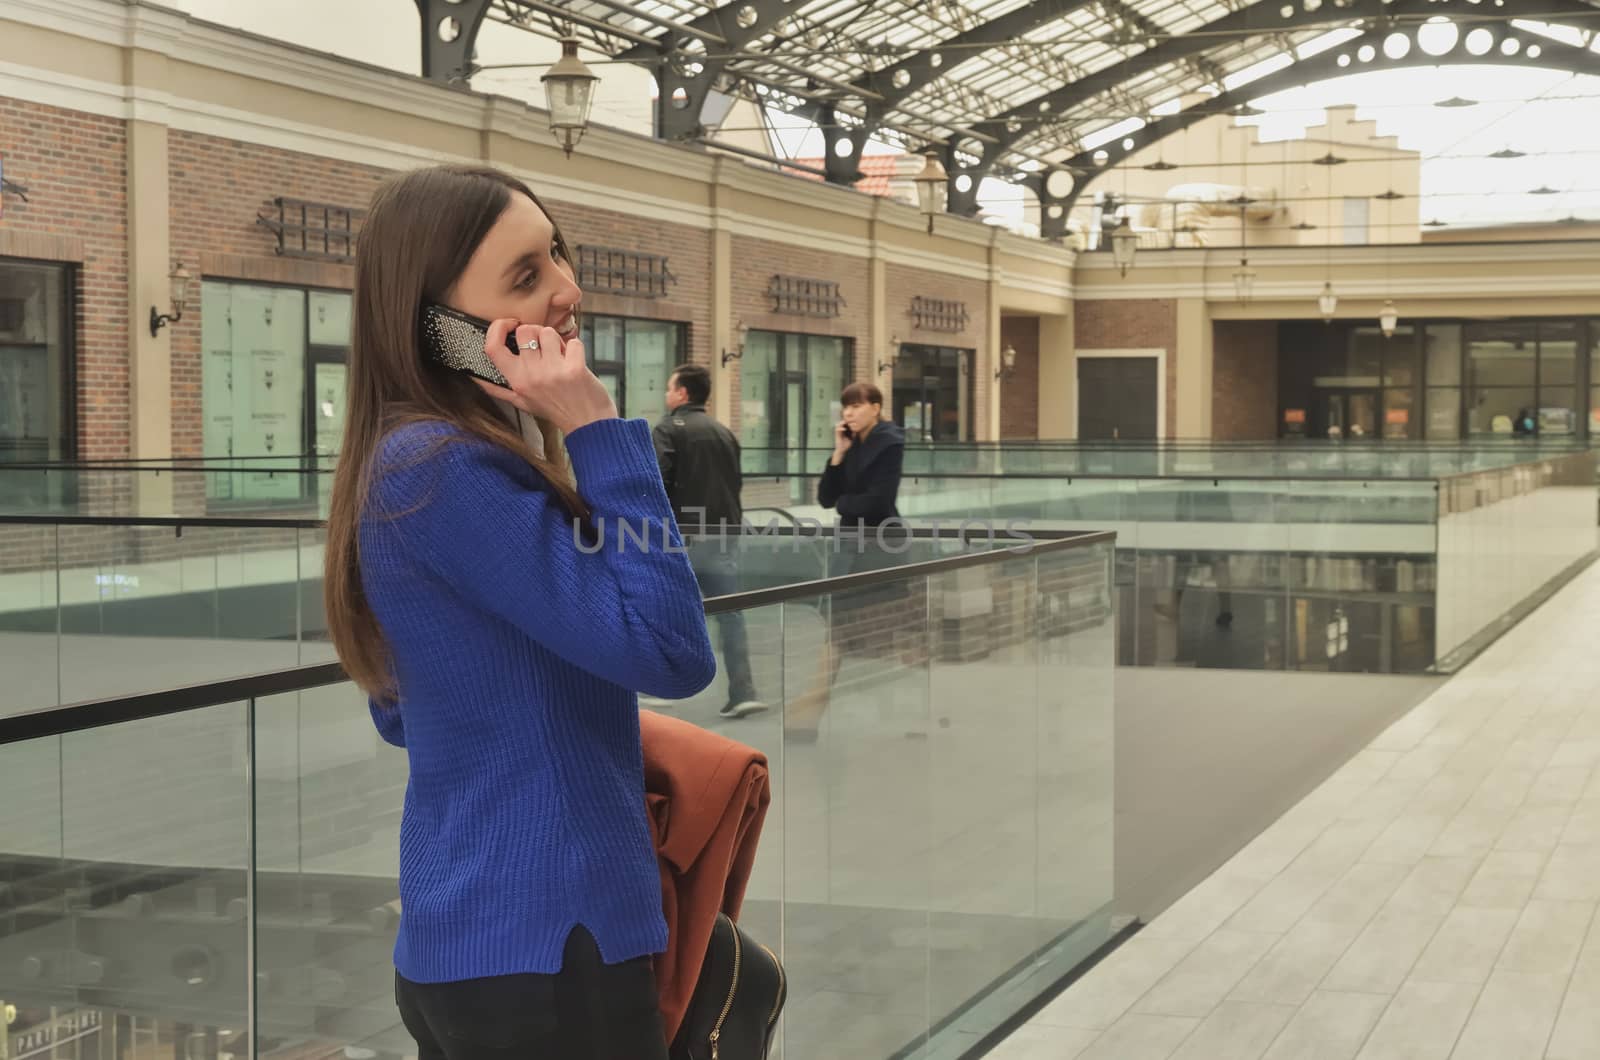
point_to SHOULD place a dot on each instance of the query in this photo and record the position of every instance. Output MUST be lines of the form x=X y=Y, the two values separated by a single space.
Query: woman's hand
x=842 y=441
x=549 y=381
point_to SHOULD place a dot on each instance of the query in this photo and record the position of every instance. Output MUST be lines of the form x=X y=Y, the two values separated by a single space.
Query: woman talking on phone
x=498 y=646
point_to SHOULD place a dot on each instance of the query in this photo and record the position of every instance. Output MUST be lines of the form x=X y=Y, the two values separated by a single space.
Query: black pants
x=589 y=1010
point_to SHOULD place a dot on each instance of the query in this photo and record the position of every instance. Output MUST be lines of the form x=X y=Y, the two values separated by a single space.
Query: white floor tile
x=1422 y=1023
x=1236 y=1030
x=1466 y=946
x=1291 y=970
x=1513 y=1017
x=1379 y=961
x=1505 y=880
x=1577 y=1032
x=1548 y=937
x=1206 y=976
x=1330 y=1027
x=1137 y=1036
x=1033 y=1042
x=1100 y=998
x=1571 y=875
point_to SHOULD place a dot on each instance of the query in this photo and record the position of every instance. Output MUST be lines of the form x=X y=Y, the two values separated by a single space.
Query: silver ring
x=528 y=346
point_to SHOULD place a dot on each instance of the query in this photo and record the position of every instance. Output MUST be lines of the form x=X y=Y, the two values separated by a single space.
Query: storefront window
x=1502 y=374
x=1593 y=327
x=760 y=424
x=652 y=352
x=1490 y=379
x=789 y=398
x=36 y=362
x=828 y=373
x=633 y=358
x=933 y=393
x=273 y=381
x=1558 y=376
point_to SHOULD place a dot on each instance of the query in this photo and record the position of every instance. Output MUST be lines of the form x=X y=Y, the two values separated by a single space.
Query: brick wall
x=1245 y=366
x=756 y=261
x=75 y=167
x=1019 y=395
x=218 y=188
x=902 y=284
x=1137 y=323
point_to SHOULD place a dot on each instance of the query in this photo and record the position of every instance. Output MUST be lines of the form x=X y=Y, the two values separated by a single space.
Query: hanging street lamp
x=1327 y=302
x=1124 y=244
x=569 y=93
x=933 y=187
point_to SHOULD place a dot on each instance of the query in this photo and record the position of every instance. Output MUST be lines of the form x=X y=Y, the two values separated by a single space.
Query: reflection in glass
x=1495 y=410
x=1502 y=354
x=124 y=856
x=1398 y=418
x=1558 y=352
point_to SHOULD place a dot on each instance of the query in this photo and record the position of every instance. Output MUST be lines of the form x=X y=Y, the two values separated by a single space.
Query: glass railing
x=99 y=606
x=1507 y=538
x=213 y=870
x=299 y=486
x=1282 y=459
x=1316 y=573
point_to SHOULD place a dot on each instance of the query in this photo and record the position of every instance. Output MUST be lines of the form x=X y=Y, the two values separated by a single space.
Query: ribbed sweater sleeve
x=483 y=522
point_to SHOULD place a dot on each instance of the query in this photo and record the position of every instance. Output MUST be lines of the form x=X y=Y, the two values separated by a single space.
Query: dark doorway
x=932 y=393
x=1117 y=398
x=1346 y=415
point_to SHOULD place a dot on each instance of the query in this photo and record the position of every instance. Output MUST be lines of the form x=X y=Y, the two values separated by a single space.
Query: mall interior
x=1275 y=323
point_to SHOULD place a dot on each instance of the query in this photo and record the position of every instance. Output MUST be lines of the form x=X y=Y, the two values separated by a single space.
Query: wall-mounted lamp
x=741 y=330
x=1008 y=362
x=893 y=355
x=179 y=279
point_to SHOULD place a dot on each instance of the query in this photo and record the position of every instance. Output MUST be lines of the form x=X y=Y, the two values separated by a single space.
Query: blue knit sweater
x=517 y=658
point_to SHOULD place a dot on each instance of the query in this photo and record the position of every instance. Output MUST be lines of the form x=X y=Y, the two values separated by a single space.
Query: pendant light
x=1389 y=318
x=569 y=93
x=1327 y=302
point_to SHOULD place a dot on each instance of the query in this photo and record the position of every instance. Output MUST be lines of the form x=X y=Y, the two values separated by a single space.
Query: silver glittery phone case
x=455 y=340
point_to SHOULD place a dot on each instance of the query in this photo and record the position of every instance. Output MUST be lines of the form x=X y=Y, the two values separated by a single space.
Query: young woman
x=498 y=647
x=861 y=482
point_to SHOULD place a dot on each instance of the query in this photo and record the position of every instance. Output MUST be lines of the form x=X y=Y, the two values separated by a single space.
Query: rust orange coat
x=707 y=797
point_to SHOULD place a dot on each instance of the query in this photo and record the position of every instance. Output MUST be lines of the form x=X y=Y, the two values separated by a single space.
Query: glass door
x=1348 y=415
x=1361 y=416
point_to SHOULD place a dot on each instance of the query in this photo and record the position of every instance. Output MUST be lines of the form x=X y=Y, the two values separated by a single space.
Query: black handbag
x=737 y=999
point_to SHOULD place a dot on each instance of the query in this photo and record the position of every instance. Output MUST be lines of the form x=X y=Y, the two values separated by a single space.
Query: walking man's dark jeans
x=718 y=573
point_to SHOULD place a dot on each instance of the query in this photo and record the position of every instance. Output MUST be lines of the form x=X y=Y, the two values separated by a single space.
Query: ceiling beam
x=1078 y=172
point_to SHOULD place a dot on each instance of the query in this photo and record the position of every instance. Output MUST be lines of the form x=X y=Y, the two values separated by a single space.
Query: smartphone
x=455 y=341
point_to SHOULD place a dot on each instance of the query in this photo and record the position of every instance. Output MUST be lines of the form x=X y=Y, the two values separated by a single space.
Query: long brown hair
x=421 y=231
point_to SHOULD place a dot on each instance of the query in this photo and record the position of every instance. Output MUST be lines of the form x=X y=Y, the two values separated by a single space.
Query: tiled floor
x=1433 y=899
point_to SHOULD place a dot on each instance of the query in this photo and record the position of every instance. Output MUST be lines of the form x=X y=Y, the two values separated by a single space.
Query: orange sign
x=1401 y=416
x=1294 y=415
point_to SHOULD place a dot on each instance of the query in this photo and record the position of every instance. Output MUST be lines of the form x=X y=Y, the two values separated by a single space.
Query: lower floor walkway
x=1434 y=899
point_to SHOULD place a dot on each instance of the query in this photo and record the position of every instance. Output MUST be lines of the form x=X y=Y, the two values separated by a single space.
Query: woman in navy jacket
x=861 y=483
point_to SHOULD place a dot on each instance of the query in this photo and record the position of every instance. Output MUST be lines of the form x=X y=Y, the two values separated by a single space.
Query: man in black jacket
x=700 y=468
